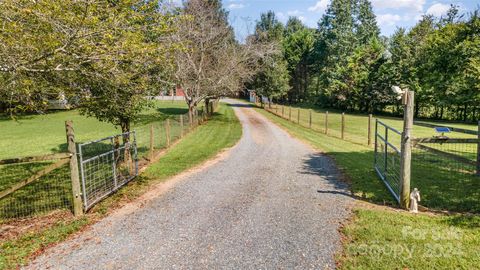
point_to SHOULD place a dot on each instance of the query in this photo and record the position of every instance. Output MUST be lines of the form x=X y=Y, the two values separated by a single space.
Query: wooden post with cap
x=406 y=149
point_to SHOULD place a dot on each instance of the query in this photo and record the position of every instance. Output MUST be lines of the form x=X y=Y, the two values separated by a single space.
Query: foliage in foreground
x=105 y=56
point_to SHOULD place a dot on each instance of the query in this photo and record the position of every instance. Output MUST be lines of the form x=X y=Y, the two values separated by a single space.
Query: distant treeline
x=346 y=64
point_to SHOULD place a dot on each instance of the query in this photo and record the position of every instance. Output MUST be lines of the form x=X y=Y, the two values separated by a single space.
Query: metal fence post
x=74 y=177
x=151 y=143
x=343 y=125
x=478 y=150
x=385 y=154
x=369 y=129
x=326 y=122
x=406 y=152
x=310 y=119
x=376 y=143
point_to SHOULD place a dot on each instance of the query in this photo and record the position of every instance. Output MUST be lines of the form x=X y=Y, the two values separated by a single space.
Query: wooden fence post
x=369 y=129
x=310 y=119
x=181 y=126
x=74 y=176
x=167 y=131
x=298 y=116
x=283 y=111
x=289 y=113
x=406 y=149
x=478 y=150
x=343 y=125
x=326 y=122
x=151 y=143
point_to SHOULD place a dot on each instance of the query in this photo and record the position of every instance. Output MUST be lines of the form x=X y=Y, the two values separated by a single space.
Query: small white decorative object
x=414 y=199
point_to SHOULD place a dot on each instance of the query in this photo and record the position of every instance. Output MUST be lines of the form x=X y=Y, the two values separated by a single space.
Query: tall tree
x=367 y=27
x=336 y=29
x=271 y=79
x=211 y=62
x=297 y=46
x=114 y=88
x=268 y=28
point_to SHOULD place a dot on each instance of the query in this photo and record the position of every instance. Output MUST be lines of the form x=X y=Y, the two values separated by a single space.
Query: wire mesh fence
x=38 y=185
x=446 y=170
x=49 y=192
x=106 y=165
x=387 y=157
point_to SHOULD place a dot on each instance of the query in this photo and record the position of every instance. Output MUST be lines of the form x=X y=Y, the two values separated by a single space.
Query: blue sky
x=390 y=13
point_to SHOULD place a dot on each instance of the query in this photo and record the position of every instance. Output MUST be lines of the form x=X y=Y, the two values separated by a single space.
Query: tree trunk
x=417 y=108
x=207 y=106
x=191 y=112
x=125 y=126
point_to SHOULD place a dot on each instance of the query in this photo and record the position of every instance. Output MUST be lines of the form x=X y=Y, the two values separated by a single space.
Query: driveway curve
x=272 y=203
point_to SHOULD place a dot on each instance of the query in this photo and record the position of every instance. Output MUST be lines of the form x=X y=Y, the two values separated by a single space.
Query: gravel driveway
x=272 y=203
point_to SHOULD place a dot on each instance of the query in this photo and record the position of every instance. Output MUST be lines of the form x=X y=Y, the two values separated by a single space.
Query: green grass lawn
x=378 y=238
x=356 y=125
x=32 y=135
x=223 y=130
x=382 y=239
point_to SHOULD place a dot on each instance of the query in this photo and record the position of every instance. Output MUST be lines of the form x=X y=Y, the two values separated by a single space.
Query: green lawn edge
x=222 y=131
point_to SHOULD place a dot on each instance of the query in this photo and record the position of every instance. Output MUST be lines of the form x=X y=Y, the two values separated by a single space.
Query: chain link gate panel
x=106 y=165
x=387 y=156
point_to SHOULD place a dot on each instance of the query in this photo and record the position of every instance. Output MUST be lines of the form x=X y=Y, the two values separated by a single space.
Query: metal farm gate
x=106 y=165
x=388 y=156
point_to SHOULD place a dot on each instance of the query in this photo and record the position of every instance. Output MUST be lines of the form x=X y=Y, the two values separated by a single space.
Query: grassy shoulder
x=385 y=238
x=223 y=130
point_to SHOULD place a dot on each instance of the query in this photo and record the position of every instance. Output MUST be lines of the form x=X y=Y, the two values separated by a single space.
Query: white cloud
x=320 y=6
x=438 y=9
x=413 y=5
x=236 y=6
x=294 y=13
x=388 y=19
